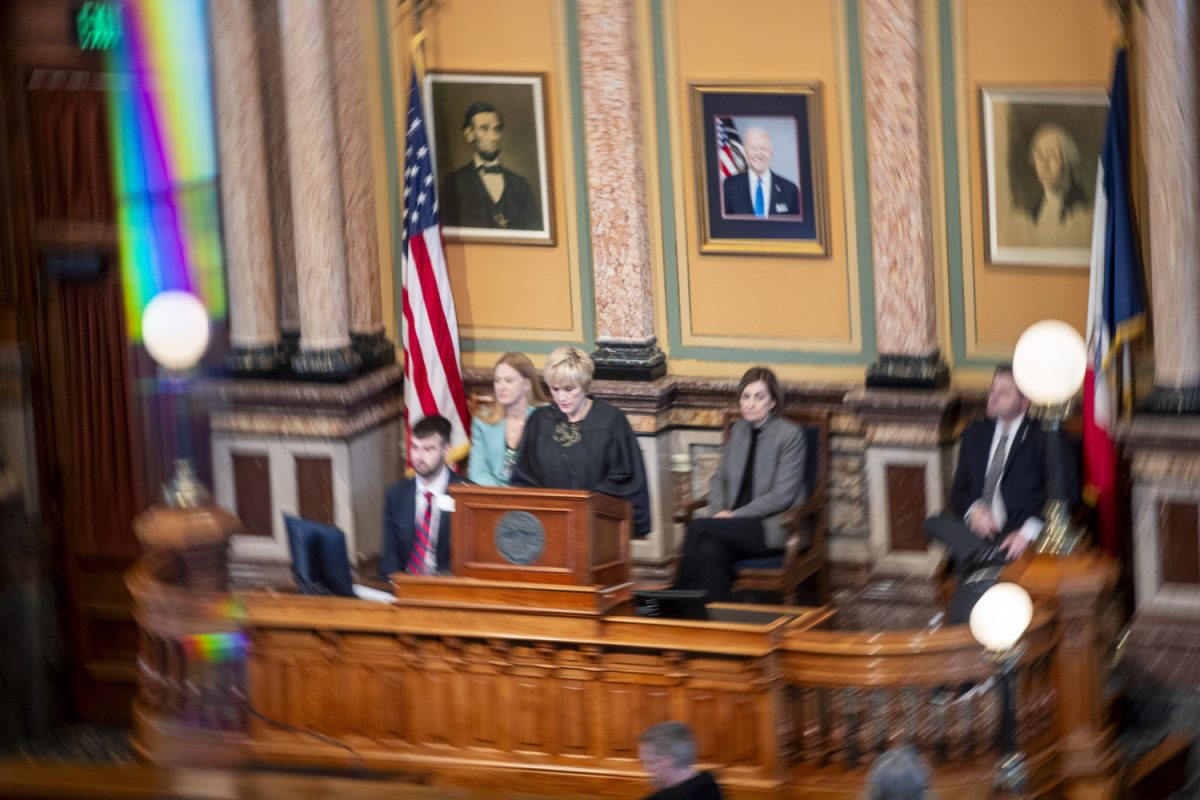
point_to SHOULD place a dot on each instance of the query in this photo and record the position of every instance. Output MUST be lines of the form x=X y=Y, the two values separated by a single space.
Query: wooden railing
x=553 y=700
x=850 y=697
x=191 y=664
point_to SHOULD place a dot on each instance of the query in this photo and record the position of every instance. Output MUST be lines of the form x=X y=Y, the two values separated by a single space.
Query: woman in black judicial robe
x=578 y=442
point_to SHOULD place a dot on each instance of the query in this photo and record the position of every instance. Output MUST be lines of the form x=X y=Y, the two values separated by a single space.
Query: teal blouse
x=489 y=464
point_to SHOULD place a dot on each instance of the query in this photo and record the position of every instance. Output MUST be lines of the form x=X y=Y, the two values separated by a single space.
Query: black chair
x=319 y=561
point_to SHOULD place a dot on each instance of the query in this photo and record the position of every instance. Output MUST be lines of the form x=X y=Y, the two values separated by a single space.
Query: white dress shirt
x=438 y=484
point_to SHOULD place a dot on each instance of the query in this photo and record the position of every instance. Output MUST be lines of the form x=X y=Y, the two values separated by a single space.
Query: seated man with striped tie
x=417 y=511
x=999 y=489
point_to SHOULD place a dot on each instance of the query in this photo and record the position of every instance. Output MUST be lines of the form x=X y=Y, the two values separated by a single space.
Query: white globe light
x=175 y=329
x=1049 y=362
x=1001 y=616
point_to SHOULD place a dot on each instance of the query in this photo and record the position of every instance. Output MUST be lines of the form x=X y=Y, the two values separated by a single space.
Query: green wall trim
x=862 y=183
x=526 y=346
x=666 y=180
x=392 y=151
x=954 y=241
x=862 y=211
x=587 y=288
x=391 y=144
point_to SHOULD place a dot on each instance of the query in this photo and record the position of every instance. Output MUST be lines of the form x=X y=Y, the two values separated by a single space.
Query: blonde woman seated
x=760 y=476
x=496 y=433
x=579 y=442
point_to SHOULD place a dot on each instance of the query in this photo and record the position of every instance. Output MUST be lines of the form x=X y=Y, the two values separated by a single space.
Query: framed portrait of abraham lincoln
x=1041 y=148
x=491 y=155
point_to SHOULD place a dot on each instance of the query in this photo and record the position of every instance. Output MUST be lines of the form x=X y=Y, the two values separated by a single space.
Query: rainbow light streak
x=164 y=156
x=215 y=648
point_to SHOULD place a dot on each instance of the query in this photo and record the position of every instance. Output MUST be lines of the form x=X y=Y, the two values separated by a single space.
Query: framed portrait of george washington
x=760 y=169
x=1040 y=148
x=489 y=142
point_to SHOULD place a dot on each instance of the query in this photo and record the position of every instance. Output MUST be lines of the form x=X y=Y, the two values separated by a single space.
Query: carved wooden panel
x=252 y=492
x=1179 y=542
x=573 y=718
x=314 y=488
x=906 y=506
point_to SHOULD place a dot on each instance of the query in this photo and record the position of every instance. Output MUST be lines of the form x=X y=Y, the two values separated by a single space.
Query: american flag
x=433 y=378
x=729 y=148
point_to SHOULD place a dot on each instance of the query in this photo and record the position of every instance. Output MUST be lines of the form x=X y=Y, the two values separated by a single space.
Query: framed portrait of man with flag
x=759 y=158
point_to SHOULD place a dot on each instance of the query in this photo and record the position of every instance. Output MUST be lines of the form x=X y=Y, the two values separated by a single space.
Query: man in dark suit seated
x=758 y=192
x=999 y=489
x=417 y=511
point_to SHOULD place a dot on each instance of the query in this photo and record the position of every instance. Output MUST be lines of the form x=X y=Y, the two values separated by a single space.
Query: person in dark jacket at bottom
x=668 y=753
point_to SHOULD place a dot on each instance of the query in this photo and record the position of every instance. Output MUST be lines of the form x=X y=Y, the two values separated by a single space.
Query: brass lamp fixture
x=998 y=621
x=175 y=331
x=1049 y=364
x=188 y=525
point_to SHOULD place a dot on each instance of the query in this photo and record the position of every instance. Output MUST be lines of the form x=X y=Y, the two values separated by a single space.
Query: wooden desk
x=492 y=684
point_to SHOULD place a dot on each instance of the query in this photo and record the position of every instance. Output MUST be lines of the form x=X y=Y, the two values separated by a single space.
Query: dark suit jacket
x=399 y=522
x=465 y=202
x=783 y=193
x=1023 y=482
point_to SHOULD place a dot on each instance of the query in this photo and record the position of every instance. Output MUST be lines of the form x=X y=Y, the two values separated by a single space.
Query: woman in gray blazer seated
x=497 y=430
x=761 y=475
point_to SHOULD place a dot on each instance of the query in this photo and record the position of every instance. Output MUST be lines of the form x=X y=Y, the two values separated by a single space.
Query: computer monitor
x=319 y=561
x=671 y=603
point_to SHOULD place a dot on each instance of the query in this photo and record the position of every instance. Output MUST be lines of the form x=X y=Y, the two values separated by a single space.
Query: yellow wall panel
x=506 y=291
x=1024 y=43
x=725 y=298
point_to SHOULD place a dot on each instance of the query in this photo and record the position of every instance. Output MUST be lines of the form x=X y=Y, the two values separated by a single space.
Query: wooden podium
x=546 y=536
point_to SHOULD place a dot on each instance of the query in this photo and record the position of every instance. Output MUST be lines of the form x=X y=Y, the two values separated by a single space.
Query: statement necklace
x=569 y=433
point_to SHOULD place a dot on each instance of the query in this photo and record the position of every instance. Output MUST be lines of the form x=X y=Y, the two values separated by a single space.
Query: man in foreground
x=668 y=753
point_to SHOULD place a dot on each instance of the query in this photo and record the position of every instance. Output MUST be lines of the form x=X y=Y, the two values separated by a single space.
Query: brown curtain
x=103 y=486
x=69 y=120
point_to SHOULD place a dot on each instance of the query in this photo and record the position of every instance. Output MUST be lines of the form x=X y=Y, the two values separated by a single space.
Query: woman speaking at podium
x=578 y=442
x=760 y=475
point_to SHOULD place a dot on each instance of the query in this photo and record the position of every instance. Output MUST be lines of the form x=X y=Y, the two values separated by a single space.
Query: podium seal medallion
x=520 y=537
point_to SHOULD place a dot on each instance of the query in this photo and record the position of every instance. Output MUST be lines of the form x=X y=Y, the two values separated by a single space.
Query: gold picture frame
x=1039 y=143
x=518 y=101
x=787 y=215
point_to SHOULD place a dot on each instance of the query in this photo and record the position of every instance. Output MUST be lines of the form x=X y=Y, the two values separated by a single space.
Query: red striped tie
x=420 y=548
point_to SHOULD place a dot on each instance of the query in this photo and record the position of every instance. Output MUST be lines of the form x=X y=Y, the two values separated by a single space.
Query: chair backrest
x=815 y=425
x=320 y=564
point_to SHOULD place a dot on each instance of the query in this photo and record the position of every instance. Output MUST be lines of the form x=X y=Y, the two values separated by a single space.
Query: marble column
x=901 y=218
x=626 y=347
x=358 y=196
x=270 y=61
x=245 y=202
x=1169 y=76
x=325 y=349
